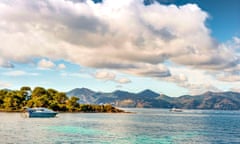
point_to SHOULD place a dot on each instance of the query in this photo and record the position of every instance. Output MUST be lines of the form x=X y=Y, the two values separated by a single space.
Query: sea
x=142 y=126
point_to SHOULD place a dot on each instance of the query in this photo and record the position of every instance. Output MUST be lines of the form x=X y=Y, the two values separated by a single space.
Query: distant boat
x=175 y=110
x=39 y=112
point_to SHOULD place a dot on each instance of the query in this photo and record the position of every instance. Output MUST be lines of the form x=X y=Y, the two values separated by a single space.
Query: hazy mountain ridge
x=150 y=99
x=85 y=95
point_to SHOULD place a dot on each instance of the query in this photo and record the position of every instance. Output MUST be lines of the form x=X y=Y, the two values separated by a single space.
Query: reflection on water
x=147 y=126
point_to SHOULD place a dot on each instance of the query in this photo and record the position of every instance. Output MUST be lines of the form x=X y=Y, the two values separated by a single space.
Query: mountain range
x=150 y=99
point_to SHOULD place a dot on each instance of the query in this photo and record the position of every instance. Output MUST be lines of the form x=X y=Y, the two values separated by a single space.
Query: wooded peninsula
x=17 y=100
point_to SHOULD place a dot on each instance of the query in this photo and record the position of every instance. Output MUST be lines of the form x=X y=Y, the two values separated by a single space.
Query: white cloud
x=193 y=75
x=61 y=66
x=62 y=28
x=123 y=80
x=110 y=76
x=19 y=73
x=236 y=40
x=46 y=64
x=105 y=75
x=195 y=81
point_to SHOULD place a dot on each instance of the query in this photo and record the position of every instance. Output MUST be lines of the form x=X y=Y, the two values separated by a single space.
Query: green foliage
x=99 y=108
x=60 y=97
x=72 y=104
x=38 y=91
x=3 y=94
x=25 y=88
x=12 y=100
x=50 y=98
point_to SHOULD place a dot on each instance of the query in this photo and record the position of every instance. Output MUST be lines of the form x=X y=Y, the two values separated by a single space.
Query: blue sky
x=174 y=47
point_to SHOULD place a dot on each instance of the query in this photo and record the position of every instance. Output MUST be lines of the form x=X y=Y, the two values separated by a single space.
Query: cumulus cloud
x=105 y=75
x=231 y=74
x=237 y=40
x=125 y=35
x=110 y=76
x=46 y=64
x=123 y=80
x=194 y=80
x=61 y=66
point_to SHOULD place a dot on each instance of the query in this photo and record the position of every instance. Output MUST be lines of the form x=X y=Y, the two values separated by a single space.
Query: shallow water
x=146 y=126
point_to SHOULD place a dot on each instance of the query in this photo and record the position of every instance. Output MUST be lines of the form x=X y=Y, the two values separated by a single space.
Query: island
x=17 y=100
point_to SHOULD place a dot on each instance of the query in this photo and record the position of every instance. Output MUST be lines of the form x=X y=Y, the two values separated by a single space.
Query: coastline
x=114 y=110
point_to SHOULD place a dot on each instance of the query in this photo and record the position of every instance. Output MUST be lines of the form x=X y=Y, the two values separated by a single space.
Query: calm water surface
x=146 y=126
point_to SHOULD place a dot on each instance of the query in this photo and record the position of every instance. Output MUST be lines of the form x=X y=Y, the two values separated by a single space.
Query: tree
x=26 y=91
x=3 y=93
x=25 y=88
x=42 y=101
x=30 y=103
x=72 y=104
x=54 y=106
x=13 y=100
x=61 y=97
x=51 y=93
x=38 y=91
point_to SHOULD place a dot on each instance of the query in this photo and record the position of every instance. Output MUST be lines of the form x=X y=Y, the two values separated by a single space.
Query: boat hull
x=175 y=110
x=42 y=115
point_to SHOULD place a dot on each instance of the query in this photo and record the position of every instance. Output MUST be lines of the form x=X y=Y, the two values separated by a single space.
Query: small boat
x=39 y=112
x=175 y=110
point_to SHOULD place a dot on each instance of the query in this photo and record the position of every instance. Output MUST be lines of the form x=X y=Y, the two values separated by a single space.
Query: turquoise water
x=146 y=126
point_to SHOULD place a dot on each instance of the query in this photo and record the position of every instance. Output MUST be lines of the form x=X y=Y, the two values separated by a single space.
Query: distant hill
x=151 y=99
x=211 y=100
x=85 y=95
x=148 y=94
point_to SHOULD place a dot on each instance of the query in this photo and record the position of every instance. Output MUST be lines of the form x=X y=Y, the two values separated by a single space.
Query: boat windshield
x=39 y=110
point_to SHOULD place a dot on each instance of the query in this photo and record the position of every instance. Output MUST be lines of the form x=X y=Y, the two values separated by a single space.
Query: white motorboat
x=175 y=110
x=39 y=112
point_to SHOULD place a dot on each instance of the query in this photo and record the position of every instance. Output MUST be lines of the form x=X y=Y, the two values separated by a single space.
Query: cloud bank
x=121 y=35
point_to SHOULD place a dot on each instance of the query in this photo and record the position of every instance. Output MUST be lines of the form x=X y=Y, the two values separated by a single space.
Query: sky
x=174 y=47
